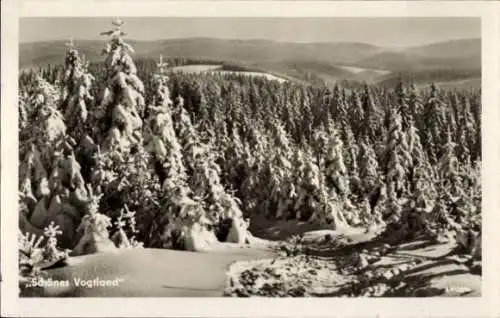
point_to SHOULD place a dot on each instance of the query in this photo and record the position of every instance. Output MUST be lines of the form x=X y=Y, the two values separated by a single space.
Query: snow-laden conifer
x=434 y=118
x=448 y=171
x=369 y=172
x=122 y=100
x=280 y=170
x=204 y=179
x=76 y=85
x=398 y=156
x=181 y=217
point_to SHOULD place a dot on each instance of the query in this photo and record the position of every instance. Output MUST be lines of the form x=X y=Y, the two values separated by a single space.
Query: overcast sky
x=387 y=32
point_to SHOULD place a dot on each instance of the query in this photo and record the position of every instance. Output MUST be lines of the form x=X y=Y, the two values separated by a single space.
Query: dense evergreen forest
x=157 y=158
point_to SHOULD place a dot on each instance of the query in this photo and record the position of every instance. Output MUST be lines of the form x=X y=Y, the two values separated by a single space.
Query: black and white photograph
x=250 y=157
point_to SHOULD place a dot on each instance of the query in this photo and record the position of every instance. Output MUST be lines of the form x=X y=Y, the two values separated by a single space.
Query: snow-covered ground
x=153 y=272
x=213 y=68
x=357 y=70
x=256 y=74
x=320 y=262
x=359 y=268
x=197 y=68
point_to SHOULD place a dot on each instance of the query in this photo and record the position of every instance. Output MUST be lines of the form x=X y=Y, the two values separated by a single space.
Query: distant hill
x=208 y=48
x=451 y=55
x=462 y=78
x=325 y=61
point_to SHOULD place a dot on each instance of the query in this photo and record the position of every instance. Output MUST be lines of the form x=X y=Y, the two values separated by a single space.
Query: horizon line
x=254 y=40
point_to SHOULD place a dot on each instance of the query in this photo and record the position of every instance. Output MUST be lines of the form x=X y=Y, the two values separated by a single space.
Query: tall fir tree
x=398 y=156
x=357 y=112
x=415 y=103
x=76 y=92
x=435 y=122
x=122 y=101
x=204 y=180
x=402 y=104
x=369 y=172
x=373 y=115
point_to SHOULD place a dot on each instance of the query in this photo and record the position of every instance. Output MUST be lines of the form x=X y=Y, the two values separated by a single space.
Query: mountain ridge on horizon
x=326 y=60
x=257 y=40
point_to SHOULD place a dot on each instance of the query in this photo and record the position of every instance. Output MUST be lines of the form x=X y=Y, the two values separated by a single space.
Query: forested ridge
x=173 y=160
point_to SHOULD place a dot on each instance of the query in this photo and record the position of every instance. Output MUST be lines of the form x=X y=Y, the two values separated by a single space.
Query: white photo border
x=485 y=306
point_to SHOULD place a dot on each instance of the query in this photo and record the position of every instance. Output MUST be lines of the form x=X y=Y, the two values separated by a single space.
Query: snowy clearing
x=196 y=68
x=357 y=70
x=256 y=74
x=360 y=268
x=213 y=68
x=153 y=272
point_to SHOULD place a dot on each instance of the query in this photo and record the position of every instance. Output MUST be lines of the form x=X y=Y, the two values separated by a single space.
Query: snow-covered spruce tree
x=293 y=111
x=432 y=211
x=358 y=113
x=297 y=175
x=463 y=149
x=308 y=172
x=122 y=101
x=394 y=206
x=214 y=105
x=372 y=126
x=329 y=147
x=37 y=254
x=337 y=178
x=350 y=154
x=365 y=215
x=430 y=147
x=69 y=196
x=159 y=133
x=456 y=108
x=253 y=189
x=425 y=191
x=398 y=157
x=402 y=104
x=43 y=108
x=78 y=106
x=471 y=180
x=179 y=222
x=290 y=113
x=120 y=168
x=459 y=203
x=204 y=180
x=235 y=115
x=441 y=225
x=369 y=173
x=93 y=230
x=470 y=130
x=419 y=157
x=49 y=173
x=280 y=168
x=33 y=178
x=315 y=202
x=415 y=220
x=25 y=112
x=124 y=236
x=128 y=178
x=76 y=96
x=306 y=118
x=414 y=145
x=379 y=210
x=231 y=156
x=448 y=171
x=416 y=107
x=467 y=210
x=339 y=106
x=435 y=123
